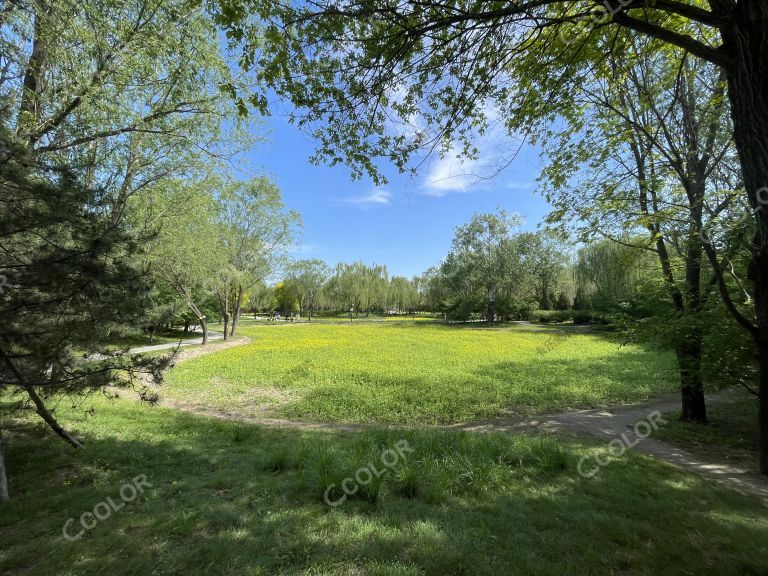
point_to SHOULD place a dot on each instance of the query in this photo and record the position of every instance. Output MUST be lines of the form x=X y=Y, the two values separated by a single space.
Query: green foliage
x=70 y=282
x=286 y=298
x=358 y=288
x=608 y=274
x=491 y=266
x=307 y=278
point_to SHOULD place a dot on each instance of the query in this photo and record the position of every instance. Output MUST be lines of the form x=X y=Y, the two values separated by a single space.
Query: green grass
x=731 y=436
x=419 y=372
x=231 y=499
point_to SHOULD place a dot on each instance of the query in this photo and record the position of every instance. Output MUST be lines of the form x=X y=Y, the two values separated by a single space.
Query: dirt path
x=184 y=355
x=619 y=424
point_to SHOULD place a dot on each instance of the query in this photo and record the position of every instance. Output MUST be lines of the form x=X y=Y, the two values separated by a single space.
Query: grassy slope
x=418 y=372
x=232 y=499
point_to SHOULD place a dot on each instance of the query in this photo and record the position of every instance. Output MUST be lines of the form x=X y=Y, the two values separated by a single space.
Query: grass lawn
x=731 y=436
x=230 y=499
x=419 y=372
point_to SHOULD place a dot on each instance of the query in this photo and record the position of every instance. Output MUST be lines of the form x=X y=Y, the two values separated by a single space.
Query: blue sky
x=407 y=224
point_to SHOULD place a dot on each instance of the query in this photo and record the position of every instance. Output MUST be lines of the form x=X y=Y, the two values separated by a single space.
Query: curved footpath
x=608 y=424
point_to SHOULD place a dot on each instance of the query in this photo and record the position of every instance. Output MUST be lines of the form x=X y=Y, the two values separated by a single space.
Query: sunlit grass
x=418 y=373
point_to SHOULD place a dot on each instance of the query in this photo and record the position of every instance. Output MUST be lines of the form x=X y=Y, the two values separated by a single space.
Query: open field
x=231 y=499
x=419 y=372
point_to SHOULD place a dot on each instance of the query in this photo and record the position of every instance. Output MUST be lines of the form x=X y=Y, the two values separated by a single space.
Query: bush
x=575 y=316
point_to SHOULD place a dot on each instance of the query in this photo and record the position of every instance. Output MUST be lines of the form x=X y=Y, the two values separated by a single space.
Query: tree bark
x=4 y=497
x=204 y=328
x=33 y=78
x=225 y=313
x=237 y=298
x=689 y=362
x=745 y=42
x=491 y=308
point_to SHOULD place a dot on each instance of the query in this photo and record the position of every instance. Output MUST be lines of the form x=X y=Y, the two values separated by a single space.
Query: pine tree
x=70 y=279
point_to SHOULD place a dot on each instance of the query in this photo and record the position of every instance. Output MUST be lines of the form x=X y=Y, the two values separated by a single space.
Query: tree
x=481 y=250
x=70 y=280
x=402 y=293
x=658 y=140
x=374 y=64
x=608 y=272
x=357 y=287
x=286 y=296
x=540 y=257
x=185 y=253
x=255 y=231
x=308 y=278
x=128 y=92
x=99 y=101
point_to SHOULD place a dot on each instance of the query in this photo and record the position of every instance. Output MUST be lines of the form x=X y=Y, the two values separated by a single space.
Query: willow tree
x=482 y=246
x=184 y=253
x=361 y=69
x=308 y=278
x=255 y=231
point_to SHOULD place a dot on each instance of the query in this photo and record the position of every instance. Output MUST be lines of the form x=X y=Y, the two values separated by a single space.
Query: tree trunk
x=759 y=275
x=204 y=328
x=491 y=302
x=226 y=325
x=39 y=403
x=745 y=41
x=4 y=497
x=691 y=385
x=237 y=299
x=29 y=107
x=200 y=317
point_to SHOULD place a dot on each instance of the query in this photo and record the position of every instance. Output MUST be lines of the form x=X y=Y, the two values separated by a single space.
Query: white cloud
x=377 y=197
x=450 y=174
x=495 y=149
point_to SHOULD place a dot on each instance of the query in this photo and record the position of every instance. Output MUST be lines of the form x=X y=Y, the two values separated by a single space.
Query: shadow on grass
x=220 y=505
